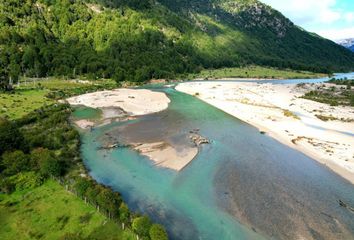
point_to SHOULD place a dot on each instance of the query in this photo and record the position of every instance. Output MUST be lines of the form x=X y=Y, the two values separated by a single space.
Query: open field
x=254 y=72
x=57 y=84
x=33 y=94
x=50 y=212
x=16 y=105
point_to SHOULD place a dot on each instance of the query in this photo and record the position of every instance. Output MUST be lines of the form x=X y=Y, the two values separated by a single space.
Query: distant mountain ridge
x=348 y=43
x=137 y=40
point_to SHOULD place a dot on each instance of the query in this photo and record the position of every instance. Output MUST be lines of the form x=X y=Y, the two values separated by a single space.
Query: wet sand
x=165 y=142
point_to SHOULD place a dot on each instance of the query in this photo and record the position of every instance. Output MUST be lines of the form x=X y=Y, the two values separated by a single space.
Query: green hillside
x=137 y=40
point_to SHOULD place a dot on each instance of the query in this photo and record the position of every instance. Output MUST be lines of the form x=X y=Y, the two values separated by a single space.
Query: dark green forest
x=137 y=40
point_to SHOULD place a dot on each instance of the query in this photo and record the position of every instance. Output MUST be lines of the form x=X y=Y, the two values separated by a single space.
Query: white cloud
x=337 y=34
x=307 y=11
x=349 y=17
x=320 y=16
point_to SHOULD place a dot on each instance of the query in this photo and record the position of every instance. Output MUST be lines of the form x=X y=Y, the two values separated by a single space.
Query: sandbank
x=134 y=102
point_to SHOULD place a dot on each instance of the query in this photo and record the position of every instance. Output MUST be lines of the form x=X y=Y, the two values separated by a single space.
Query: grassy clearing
x=33 y=94
x=60 y=84
x=255 y=72
x=50 y=212
x=18 y=104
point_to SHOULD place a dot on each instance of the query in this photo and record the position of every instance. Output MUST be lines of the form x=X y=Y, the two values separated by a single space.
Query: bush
x=10 y=136
x=141 y=226
x=157 y=232
x=14 y=162
x=26 y=180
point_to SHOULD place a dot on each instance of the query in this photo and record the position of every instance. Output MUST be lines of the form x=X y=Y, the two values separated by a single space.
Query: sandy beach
x=278 y=111
x=134 y=102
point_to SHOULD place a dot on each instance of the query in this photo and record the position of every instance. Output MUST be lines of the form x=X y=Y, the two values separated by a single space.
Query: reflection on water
x=242 y=186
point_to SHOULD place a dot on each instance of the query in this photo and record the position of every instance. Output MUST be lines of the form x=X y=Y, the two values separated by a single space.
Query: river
x=244 y=185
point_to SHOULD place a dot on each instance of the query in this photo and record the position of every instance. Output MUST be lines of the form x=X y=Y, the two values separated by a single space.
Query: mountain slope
x=270 y=37
x=141 y=39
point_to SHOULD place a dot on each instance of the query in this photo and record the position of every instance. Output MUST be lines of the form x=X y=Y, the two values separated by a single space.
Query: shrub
x=26 y=180
x=157 y=232
x=14 y=162
x=141 y=226
x=10 y=136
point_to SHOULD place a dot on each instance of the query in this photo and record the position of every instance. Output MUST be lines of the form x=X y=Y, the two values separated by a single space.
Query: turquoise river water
x=244 y=185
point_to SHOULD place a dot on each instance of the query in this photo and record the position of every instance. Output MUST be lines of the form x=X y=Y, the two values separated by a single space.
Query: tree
x=124 y=214
x=141 y=226
x=82 y=185
x=14 y=162
x=45 y=161
x=108 y=201
x=10 y=136
x=158 y=232
x=119 y=75
x=14 y=73
x=50 y=167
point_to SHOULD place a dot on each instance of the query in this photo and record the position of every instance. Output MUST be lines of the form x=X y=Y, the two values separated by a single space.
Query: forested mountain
x=140 y=39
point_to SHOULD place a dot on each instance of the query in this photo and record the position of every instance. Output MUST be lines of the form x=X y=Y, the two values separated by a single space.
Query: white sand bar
x=133 y=101
x=164 y=155
x=264 y=106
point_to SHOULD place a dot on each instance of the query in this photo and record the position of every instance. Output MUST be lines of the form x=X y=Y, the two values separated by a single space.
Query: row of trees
x=111 y=204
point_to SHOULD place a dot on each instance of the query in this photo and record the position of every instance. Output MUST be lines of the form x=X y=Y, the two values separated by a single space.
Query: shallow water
x=82 y=112
x=244 y=185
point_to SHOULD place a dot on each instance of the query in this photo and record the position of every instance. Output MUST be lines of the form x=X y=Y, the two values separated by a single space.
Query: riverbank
x=278 y=111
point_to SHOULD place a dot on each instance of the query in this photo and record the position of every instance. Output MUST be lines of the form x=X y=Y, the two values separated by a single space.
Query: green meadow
x=51 y=212
x=255 y=72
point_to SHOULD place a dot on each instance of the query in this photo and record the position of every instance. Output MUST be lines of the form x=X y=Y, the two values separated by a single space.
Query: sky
x=332 y=19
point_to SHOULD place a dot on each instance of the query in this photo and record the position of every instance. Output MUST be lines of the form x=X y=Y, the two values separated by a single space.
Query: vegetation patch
x=288 y=113
x=343 y=81
x=257 y=72
x=332 y=95
x=14 y=105
x=332 y=118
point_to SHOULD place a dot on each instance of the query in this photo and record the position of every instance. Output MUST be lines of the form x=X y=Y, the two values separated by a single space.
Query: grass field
x=50 y=212
x=60 y=84
x=31 y=94
x=16 y=105
x=255 y=72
